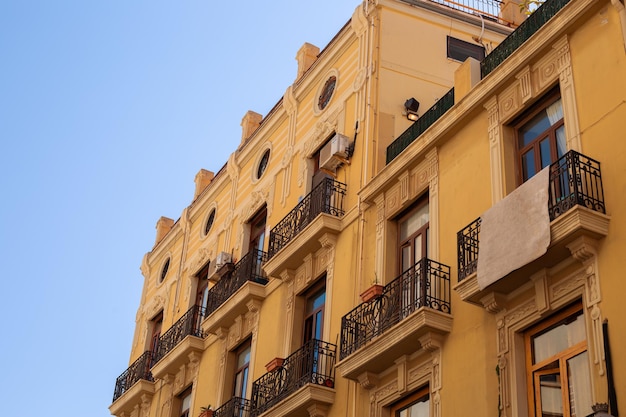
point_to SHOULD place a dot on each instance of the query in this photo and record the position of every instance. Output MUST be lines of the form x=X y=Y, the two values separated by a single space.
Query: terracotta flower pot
x=274 y=364
x=372 y=293
x=206 y=413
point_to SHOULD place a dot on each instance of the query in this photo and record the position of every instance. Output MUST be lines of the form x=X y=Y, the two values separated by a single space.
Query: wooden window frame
x=520 y=150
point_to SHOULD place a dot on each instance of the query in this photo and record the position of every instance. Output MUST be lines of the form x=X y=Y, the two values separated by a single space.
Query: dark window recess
x=460 y=50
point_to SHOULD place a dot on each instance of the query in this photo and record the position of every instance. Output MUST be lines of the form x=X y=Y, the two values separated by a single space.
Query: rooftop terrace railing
x=575 y=180
x=187 y=325
x=424 y=122
x=486 y=8
x=313 y=363
x=140 y=369
x=249 y=268
x=511 y=43
x=425 y=284
x=327 y=197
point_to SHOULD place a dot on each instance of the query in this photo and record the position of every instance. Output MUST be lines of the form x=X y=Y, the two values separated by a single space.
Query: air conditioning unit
x=219 y=267
x=334 y=152
x=222 y=259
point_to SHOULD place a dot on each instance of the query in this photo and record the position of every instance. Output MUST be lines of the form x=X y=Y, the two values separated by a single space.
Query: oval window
x=209 y=222
x=263 y=164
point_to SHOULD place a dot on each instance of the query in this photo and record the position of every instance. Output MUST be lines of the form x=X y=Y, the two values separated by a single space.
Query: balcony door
x=413 y=245
x=157 y=324
x=314 y=315
x=242 y=371
x=257 y=240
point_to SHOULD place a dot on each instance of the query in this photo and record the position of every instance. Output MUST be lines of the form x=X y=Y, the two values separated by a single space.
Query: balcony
x=415 y=304
x=297 y=234
x=229 y=297
x=235 y=407
x=306 y=378
x=575 y=208
x=132 y=384
x=179 y=341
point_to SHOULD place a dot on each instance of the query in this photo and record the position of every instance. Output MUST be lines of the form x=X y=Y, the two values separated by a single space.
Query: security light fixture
x=411 y=106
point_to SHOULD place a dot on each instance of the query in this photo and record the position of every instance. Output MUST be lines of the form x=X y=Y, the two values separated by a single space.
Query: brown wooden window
x=540 y=136
x=558 y=376
x=413 y=234
x=184 y=399
x=415 y=405
x=242 y=371
x=314 y=313
x=156 y=324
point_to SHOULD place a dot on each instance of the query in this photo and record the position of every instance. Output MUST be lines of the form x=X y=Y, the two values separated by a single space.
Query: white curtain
x=555 y=113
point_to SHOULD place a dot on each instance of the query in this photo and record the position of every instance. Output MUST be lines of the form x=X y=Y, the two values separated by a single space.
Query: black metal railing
x=575 y=180
x=249 y=268
x=140 y=369
x=425 y=284
x=235 y=407
x=487 y=8
x=188 y=325
x=532 y=24
x=327 y=197
x=467 y=248
x=313 y=363
x=424 y=122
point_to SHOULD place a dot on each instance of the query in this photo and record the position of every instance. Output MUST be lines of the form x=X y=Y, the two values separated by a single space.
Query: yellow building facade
x=428 y=223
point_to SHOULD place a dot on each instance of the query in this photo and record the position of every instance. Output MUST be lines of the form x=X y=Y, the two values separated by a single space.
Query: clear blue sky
x=108 y=109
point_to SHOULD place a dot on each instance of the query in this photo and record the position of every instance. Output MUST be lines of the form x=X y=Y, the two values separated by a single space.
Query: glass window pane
x=243 y=357
x=536 y=126
x=544 y=149
x=551 y=400
x=406 y=258
x=528 y=164
x=417 y=219
x=579 y=382
x=561 y=146
x=558 y=338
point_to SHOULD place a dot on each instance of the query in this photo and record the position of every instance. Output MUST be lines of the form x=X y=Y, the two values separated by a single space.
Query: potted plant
x=274 y=364
x=373 y=292
x=206 y=411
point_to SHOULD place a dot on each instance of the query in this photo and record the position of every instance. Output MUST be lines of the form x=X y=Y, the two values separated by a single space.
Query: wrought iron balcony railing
x=467 y=248
x=424 y=122
x=313 y=363
x=532 y=24
x=249 y=268
x=235 y=407
x=327 y=197
x=425 y=284
x=188 y=325
x=140 y=369
x=575 y=180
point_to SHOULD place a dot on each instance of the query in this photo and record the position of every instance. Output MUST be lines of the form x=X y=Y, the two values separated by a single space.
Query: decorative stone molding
x=551 y=290
x=495 y=149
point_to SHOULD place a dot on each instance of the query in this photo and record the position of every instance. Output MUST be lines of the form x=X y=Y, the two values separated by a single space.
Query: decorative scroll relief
x=525 y=84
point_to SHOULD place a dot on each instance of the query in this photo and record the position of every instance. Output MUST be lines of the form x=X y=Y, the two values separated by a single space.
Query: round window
x=327 y=92
x=263 y=164
x=209 y=222
x=166 y=267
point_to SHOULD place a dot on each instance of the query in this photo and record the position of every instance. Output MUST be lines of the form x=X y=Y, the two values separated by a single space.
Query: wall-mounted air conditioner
x=334 y=152
x=219 y=267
